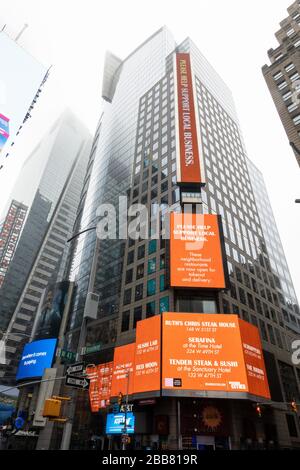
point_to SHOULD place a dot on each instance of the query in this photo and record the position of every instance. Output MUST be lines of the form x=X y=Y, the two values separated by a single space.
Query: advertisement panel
x=4 y=130
x=115 y=423
x=36 y=357
x=196 y=259
x=100 y=385
x=254 y=360
x=123 y=365
x=204 y=352
x=20 y=81
x=147 y=355
x=51 y=313
x=189 y=170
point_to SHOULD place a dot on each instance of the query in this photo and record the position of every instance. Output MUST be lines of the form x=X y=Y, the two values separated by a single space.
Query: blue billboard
x=115 y=423
x=36 y=357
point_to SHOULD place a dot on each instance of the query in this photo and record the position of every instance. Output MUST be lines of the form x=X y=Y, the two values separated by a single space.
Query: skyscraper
x=10 y=232
x=137 y=155
x=50 y=182
x=283 y=76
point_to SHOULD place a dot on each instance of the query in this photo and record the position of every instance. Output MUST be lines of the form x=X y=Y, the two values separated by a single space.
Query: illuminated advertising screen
x=254 y=360
x=115 y=423
x=100 y=385
x=36 y=357
x=196 y=258
x=4 y=130
x=188 y=170
x=123 y=365
x=147 y=355
x=205 y=353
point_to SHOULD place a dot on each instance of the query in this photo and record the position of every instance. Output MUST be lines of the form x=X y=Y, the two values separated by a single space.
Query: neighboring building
x=283 y=76
x=21 y=80
x=10 y=232
x=135 y=154
x=51 y=181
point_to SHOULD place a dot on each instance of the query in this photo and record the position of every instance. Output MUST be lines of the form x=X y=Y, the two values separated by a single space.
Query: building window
x=151 y=287
x=140 y=271
x=141 y=251
x=162 y=283
x=152 y=246
x=296 y=119
x=139 y=292
x=130 y=257
x=278 y=75
x=138 y=312
x=125 y=321
x=151 y=265
x=282 y=85
x=127 y=297
x=129 y=275
x=290 y=419
x=164 y=305
x=150 y=309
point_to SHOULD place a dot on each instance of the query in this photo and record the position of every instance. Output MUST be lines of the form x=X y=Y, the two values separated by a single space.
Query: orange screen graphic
x=195 y=249
x=203 y=352
x=254 y=360
x=189 y=151
x=147 y=355
x=100 y=385
x=123 y=363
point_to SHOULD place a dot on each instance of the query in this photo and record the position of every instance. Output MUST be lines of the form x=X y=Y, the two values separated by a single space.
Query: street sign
x=125 y=439
x=77 y=382
x=91 y=349
x=67 y=355
x=75 y=368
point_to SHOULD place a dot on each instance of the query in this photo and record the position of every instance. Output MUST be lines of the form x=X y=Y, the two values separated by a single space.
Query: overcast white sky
x=234 y=35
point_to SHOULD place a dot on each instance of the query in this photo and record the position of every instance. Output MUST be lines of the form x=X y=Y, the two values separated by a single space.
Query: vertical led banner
x=147 y=355
x=196 y=252
x=254 y=360
x=100 y=385
x=123 y=365
x=188 y=167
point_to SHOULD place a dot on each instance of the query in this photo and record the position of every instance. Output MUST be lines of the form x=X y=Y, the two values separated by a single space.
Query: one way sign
x=75 y=368
x=77 y=382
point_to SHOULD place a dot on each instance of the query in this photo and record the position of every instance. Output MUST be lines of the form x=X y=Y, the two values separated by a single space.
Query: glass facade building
x=50 y=182
x=134 y=155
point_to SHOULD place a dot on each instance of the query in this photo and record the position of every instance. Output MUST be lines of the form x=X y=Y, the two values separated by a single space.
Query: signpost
x=76 y=368
x=77 y=382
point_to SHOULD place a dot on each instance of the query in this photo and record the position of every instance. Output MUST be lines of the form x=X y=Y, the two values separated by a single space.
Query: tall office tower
x=136 y=155
x=283 y=76
x=50 y=182
x=10 y=232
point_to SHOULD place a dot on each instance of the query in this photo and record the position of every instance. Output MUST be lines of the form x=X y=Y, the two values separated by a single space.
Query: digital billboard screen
x=36 y=357
x=115 y=423
x=147 y=355
x=123 y=366
x=196 y=257
x=206 y=353
x=189 y=170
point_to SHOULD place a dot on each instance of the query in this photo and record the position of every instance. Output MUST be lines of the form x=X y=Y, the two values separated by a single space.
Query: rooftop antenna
x=21 y=32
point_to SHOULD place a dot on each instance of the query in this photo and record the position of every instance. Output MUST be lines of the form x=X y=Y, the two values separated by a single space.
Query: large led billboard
x=196 y=257
x=100 y=385
x=122 y=379
x=206 y=353
x=147 y=355
x=188 y=165
x=36 y=357
x=115 y=423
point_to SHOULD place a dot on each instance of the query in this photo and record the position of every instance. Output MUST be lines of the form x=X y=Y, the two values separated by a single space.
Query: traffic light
x=120 y=398
x=294 y=406
x=258 y=410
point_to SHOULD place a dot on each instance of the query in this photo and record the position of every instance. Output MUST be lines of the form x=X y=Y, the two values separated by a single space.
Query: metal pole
x=126 y=406
x=67 y=433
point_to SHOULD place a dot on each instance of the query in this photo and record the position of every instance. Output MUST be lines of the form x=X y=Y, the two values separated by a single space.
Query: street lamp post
x=67 y=433
x=126 y=407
